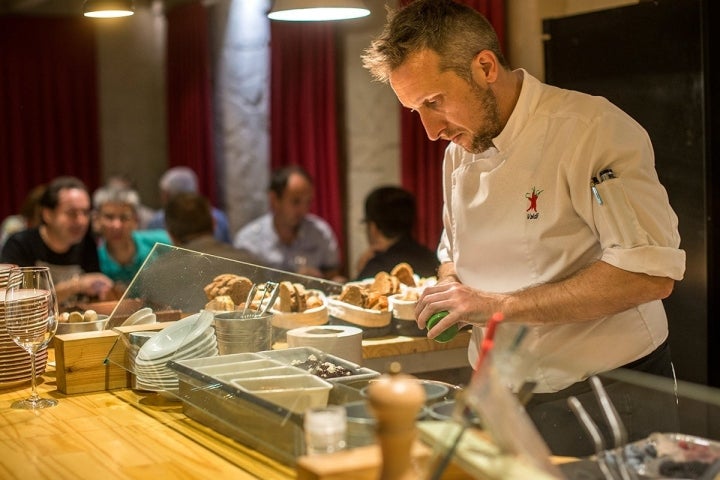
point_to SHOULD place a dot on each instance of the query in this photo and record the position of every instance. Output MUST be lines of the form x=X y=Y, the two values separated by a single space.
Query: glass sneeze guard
x=184 y=365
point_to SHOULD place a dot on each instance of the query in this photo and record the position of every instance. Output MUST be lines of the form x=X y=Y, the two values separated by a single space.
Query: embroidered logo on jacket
x=532 y=196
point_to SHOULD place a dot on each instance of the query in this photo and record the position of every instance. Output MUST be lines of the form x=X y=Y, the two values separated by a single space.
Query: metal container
x=298 y=355
x=79 y=327
x=238 y=333
x=210 y=397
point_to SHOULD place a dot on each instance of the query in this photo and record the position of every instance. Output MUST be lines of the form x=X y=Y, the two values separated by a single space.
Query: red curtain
x=48 y=104
x=189 y=95
x=304 y=111
x=421 y=159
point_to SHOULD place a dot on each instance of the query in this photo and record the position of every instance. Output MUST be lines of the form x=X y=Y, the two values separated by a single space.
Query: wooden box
x=94 y=361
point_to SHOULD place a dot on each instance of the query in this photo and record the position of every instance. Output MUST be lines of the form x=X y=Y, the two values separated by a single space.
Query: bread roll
x=354 y=295
x=404 y=273
x=222 y=303
x=385 y=284
x=301 y=297
x=286 y=297
x=234 y=286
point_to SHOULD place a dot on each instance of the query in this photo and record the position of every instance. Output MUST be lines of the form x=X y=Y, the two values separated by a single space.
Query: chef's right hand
x=465 y=304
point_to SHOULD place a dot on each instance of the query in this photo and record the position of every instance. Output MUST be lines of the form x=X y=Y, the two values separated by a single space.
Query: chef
x=530 y=230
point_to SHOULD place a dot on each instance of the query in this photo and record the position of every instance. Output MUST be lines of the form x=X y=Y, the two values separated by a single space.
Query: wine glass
x=31 y=314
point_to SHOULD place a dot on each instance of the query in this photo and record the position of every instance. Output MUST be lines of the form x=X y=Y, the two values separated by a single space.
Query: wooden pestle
x=395 y=400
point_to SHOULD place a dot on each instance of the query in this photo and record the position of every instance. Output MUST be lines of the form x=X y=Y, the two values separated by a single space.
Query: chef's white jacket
x=524 y=213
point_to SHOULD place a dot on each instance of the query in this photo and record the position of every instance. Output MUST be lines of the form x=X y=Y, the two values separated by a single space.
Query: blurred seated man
x=389 y=221
x=182 y=180
x=190 y=225
x=63 y=242
x=122 y=248
x=288 y=237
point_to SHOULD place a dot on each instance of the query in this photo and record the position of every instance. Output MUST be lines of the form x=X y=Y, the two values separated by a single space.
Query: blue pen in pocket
x=622 y=226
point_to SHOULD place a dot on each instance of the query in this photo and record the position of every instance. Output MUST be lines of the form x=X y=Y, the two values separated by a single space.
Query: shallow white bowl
x=402 y=308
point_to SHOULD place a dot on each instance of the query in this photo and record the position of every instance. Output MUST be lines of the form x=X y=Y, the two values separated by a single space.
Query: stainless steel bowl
x=434 y=390
x=79 y=327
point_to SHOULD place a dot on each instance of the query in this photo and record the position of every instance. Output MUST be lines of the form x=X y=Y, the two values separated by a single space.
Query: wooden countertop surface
x=127 y=434
x=119 y=434
x=400 y=345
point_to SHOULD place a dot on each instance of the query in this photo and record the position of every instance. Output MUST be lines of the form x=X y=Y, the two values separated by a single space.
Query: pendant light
x=108 y=8
x=317 y=10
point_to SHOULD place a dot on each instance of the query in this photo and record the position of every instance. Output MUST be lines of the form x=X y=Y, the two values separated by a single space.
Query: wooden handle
x=395 y=400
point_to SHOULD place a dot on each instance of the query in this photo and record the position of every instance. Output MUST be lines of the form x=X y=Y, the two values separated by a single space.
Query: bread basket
x=355 y=315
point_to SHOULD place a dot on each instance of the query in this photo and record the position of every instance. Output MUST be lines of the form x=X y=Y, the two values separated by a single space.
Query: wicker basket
x=355 y=315
x=309 y=318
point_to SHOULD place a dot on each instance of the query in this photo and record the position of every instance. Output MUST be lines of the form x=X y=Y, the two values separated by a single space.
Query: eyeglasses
x=109 y=217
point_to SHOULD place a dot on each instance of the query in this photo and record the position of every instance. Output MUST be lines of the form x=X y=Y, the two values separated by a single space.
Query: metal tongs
x=270 y=292
x=613 y=462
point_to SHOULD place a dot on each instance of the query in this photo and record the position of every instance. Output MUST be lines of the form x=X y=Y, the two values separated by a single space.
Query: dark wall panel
x=648 y=60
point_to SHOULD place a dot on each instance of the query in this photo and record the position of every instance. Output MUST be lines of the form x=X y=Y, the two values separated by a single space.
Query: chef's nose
x=434 y=124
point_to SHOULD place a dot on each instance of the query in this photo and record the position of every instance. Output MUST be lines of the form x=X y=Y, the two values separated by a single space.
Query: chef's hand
x=464 y=304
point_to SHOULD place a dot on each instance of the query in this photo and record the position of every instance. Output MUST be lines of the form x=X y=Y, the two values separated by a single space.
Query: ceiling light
x=317 y=10
x=108 y=8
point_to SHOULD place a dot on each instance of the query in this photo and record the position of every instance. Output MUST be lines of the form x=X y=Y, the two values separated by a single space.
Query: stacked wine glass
x=15 y=363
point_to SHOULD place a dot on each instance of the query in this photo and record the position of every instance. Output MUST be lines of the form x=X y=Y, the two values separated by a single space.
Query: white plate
x=141 y=317
x=206 y=342
x=150 y=387
x=155 y=378
x=171 y=338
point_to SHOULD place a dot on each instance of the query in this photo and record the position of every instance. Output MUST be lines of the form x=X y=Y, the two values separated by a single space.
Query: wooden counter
x=416 y=354
x=119 y=434
x=82 y=367
x=126 y=434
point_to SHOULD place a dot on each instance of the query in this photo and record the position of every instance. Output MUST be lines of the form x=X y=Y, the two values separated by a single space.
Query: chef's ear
x=484 y=67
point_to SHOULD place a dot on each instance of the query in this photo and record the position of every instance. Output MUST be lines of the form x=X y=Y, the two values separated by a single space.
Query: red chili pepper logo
x=533 y=197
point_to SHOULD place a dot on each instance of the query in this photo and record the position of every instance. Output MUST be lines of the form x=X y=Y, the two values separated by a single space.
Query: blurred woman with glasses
x=122 y=248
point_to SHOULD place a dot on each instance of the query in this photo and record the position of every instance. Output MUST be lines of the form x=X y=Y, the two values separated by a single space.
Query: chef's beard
x=488 y=109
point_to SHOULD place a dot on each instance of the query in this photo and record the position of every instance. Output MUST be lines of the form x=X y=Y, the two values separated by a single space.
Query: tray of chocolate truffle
x=259 y=398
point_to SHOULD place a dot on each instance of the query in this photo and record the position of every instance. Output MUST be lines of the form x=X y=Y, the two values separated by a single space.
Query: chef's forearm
x=592 y=293
x=446 y=272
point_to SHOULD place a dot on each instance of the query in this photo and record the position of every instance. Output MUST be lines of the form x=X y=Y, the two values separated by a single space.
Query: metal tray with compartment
x=210 y=397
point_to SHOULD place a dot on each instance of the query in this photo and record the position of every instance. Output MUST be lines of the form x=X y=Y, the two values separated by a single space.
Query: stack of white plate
x=15 y=365
x=5 y=273
x=191 y=337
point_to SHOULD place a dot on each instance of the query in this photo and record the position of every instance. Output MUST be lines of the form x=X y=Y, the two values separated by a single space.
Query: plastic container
x=296 y=393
